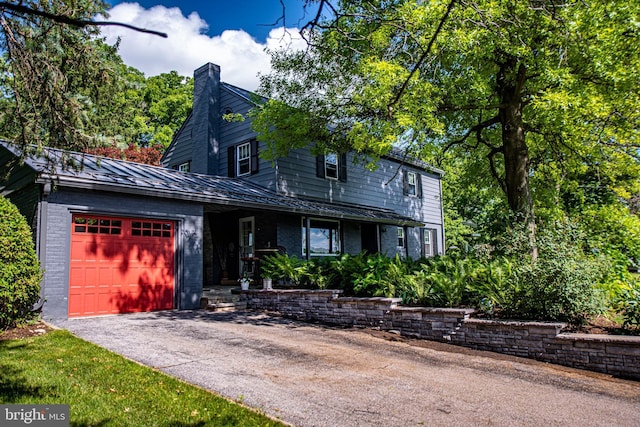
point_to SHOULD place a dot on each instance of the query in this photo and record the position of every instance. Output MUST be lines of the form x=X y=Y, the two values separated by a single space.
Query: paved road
x=311 y=375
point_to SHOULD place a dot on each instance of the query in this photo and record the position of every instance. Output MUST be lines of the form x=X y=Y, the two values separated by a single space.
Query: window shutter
x=434 y=241
x=342 y=165
x=418 y=186
x=320 y=166
x=231 y=161
x=255 y=160
x=405 y=182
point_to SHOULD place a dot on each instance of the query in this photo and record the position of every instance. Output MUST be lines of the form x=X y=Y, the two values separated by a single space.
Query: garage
x=120 y=265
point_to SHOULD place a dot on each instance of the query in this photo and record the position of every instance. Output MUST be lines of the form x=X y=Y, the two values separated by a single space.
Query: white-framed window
x=401 y=237
x=323 y=237
x=412 y=186
x=331 y=165
x=243 y=159
x=429 y=242
x=184 y=167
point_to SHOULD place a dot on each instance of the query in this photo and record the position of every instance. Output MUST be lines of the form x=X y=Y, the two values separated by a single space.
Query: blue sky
x=232 y=34
x=256 y=17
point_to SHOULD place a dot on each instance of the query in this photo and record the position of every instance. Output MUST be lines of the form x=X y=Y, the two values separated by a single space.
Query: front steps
x=222 y=298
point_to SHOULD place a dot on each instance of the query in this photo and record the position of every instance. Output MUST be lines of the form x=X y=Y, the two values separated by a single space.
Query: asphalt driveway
x=312 y=375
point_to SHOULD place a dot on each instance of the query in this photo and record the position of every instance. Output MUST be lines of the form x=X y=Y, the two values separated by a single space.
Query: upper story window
x=184 y=167
x=332 y=166
x=412 y=184
x=243 y=159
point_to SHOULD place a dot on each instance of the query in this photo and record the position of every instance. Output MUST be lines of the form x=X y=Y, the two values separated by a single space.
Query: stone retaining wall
x=615 y=355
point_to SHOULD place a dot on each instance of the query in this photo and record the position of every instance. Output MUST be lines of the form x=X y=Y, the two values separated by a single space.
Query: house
x=116 y=236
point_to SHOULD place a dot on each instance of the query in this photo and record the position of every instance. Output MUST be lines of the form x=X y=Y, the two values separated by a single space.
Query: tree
x=20 y=273
x=60 y=83
x=168 y=99
x=515 y=83
x=149 y=155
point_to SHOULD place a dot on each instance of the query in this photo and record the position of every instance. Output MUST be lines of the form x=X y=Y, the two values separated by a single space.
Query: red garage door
x=120 y=265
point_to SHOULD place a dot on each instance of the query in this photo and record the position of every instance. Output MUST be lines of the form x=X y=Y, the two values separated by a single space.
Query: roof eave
x=88 y=184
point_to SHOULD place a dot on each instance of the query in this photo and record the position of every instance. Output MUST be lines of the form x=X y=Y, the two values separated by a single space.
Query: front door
x=369 y=238
x=246 y=243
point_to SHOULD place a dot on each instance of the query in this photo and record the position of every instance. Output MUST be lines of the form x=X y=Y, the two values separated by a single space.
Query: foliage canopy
x=63 y=86
x=524 y=94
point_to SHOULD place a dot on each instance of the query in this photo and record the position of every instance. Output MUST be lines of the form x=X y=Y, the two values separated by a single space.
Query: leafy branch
x=81 y=23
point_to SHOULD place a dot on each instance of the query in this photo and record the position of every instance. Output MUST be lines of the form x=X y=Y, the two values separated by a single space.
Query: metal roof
x=101 y=173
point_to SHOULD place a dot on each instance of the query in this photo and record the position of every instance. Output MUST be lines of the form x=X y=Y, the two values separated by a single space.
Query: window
x=151 y=229
x=401 y=239
x=324 y=237
x=184 y=167
x=429 y=242
x=411 y=184
x=332 y=166
x=95 y=225
x=243 y=159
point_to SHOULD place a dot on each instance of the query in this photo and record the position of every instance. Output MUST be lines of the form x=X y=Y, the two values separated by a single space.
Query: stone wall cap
x=371 y=299
x=444 y=310
x=618 y=339
x=508 y=322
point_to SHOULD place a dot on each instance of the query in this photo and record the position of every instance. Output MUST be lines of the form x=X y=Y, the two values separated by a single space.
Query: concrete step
x=222 y=298
x=227 y=306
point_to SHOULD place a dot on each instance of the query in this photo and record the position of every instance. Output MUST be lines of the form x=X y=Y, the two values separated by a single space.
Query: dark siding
x=181 y=148
x=234 y=133
x=382 y=188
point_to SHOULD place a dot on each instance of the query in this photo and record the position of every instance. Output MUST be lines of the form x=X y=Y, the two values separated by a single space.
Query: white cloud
x=239 y=55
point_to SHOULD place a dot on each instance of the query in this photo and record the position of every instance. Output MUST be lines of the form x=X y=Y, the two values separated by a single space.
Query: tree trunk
x=510 y=80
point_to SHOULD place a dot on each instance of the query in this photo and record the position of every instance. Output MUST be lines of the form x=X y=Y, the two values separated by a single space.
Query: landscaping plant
x=562 y=284
x=20 y=273
x=628 y=305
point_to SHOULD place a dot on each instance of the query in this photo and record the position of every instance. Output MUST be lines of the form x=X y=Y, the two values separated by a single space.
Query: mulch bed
x=25 y=331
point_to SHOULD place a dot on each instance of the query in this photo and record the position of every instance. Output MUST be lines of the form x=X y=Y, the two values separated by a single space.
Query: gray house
x=118 y=236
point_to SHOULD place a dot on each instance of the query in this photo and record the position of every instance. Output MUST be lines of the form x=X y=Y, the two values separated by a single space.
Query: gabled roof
x=100 y=173
x=247 y=95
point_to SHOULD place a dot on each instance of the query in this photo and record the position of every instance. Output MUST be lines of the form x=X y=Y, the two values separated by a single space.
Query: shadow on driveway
x=316 y=375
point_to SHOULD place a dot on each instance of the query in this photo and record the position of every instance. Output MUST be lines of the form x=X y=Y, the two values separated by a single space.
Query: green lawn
x=104 y=389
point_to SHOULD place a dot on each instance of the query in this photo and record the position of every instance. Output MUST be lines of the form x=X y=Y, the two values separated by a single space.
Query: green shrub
x=379 y=276
x=346 y=269
x=628 y=304
x=283 y=267
x=418 y=289
x=492 y=285
x=562 y=284
x=19 y=267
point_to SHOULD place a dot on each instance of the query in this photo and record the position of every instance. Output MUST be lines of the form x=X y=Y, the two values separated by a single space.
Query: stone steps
x=222 y=299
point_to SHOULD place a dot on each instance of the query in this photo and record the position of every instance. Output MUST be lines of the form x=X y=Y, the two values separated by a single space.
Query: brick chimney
x=206 y=120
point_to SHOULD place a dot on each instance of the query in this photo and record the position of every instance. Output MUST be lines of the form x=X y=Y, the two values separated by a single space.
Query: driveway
x=312 y=375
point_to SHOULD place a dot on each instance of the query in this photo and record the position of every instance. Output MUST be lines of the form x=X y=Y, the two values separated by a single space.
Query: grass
x=104 y=389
